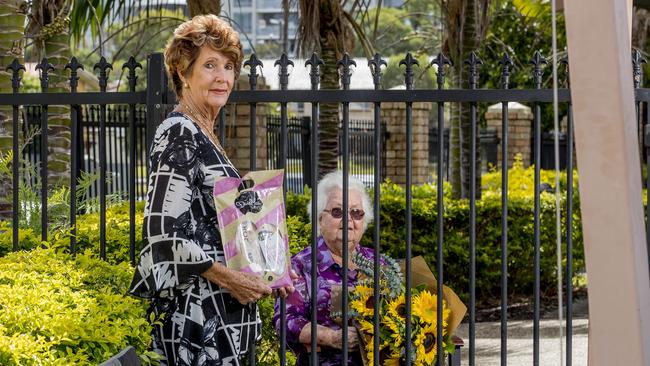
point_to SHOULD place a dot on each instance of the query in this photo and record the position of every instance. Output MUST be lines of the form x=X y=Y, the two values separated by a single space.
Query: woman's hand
x=245 y=287
x=329 y=337
x=334 y=338
x=285 y=291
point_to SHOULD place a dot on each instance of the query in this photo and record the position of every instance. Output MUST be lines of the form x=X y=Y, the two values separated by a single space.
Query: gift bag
x=253 y=226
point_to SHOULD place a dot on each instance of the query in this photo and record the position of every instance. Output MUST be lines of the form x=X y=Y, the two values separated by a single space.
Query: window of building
x=244 y=21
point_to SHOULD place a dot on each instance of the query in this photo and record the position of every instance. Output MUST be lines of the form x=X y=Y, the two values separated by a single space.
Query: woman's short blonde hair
x=184 y=47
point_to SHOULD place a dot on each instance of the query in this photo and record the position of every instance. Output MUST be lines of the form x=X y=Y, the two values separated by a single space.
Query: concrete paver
x=520 y=343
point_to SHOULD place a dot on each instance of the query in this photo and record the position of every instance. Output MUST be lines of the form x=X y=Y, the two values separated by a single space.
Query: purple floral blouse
x=299 y=302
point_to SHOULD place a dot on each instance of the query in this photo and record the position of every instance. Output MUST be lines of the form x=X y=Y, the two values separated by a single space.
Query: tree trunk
x=470 y=42
x=200 y=7
x=12 y=28
x=454 y=141
x=57 y=50
x=329 y=112
x=464 y=36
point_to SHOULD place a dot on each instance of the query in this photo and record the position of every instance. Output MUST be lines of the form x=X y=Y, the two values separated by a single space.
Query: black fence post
x=305 y=130
x=156 y=94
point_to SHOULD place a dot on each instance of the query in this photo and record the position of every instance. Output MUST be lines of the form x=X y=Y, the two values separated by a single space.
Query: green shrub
x=59 y=310
x=117 y=234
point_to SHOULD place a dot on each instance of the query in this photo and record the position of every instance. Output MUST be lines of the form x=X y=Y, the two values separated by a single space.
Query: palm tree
x=466 y=23
x=12 y=27
x=48 y=30
x=327 y=28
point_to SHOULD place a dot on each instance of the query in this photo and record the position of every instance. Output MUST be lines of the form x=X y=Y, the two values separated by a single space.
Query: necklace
x=205 y=127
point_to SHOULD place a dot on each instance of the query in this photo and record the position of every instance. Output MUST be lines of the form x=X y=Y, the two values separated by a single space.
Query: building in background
x=260 y=24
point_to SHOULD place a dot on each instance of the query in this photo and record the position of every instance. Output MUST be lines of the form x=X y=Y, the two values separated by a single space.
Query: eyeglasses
x=337 y=213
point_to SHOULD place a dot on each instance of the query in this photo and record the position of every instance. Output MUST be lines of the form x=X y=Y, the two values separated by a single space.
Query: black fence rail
x=157 y=96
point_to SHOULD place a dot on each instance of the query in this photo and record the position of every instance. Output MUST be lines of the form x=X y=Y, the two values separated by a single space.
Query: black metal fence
x=157 y=96
x=298 y=166
x=87 y=153
x=487 y=157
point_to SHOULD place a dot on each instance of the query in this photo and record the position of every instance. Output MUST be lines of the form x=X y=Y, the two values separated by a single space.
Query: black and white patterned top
x=202 y=323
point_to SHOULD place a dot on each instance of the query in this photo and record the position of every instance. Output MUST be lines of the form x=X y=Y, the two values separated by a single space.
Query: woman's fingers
x=248 y=287
x=294 y=276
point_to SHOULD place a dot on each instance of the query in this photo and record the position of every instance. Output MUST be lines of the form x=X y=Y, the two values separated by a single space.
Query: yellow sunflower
x=370 y=354
x=393 y=360
x=397 y=307
x=425 y=305
x=426 y=345
x=366 y=327
x=396 y=328
x=363 y=302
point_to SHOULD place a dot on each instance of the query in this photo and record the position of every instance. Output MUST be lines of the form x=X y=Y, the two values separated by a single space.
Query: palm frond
x=532 y=8
x=95 y=15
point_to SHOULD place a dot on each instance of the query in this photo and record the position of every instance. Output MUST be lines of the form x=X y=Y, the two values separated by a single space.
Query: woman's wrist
x=217 y=273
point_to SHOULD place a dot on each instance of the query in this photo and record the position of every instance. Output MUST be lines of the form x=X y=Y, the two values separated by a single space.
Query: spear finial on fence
x=314 y=72
x=408 y=63
x=474 y=63
x=375 y=68
x=73 y=66
x=346 y=62
x=44 y=69
x=253 y=62
x=637 y=69
x=538 y=61
x=284 y=63
x=441 y=61
x=103 y=67
x=15 y=66
x=132 y=64
x=506 y=64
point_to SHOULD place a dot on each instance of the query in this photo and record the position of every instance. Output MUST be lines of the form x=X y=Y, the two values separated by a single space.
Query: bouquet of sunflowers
x=392 y=317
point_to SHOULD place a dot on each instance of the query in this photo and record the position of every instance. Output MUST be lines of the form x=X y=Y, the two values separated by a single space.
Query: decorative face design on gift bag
x=272 y=245
x=263 y=248
x=248 y=246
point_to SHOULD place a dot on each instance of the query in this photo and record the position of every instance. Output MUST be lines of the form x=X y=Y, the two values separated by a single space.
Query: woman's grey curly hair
x=332 y=181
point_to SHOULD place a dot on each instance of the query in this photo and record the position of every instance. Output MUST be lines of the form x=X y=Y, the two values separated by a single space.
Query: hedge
x=59 y=310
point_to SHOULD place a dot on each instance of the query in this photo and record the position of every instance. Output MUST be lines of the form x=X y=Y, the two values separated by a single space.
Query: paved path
x=520 y=343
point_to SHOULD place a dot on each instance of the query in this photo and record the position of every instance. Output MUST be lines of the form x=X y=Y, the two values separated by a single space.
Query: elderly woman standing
x=206 y=310
x=329 y=272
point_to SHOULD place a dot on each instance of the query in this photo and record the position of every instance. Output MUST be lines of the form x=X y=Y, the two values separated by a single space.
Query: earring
x=186 y=85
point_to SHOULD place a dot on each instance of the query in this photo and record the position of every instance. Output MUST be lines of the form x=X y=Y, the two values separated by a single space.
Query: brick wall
x=394 y=115
x=520 y=120
x=238 y=131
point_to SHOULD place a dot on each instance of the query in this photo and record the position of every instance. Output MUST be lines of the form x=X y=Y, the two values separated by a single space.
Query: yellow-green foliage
x=521 y=180
x=59 y=310
x=117 y=234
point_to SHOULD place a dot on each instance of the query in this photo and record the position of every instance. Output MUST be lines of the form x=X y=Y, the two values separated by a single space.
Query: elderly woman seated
x=329 y=273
